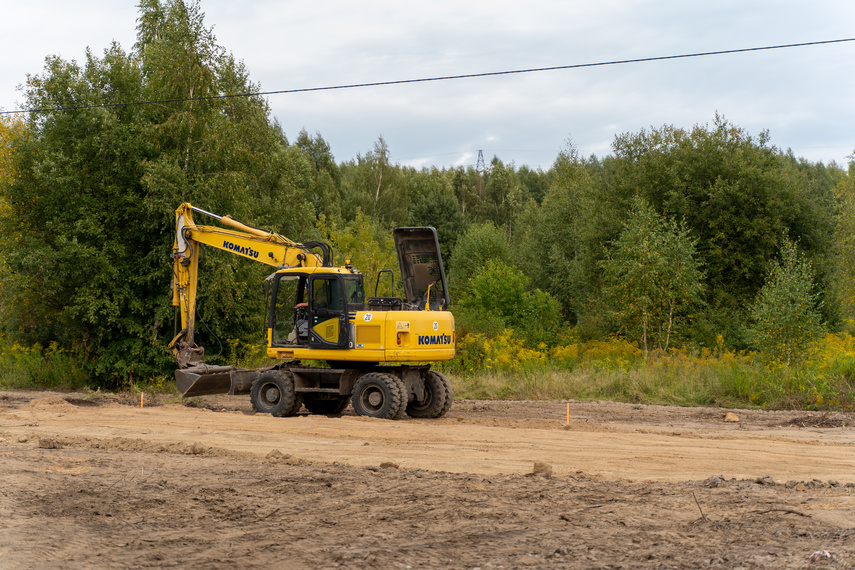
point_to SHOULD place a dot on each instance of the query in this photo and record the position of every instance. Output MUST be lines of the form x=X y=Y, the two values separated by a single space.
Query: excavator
x=377 y=349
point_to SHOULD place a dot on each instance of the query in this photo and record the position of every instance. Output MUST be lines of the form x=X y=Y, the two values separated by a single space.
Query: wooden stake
x=703 y=516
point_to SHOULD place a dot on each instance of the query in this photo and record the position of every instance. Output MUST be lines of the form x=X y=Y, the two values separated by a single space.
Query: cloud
x=802 y=96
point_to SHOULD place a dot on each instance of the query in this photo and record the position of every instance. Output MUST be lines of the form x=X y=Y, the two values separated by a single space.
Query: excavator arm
x=239 y=238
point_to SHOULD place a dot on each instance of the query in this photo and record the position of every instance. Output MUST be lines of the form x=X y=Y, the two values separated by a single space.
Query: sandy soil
x=100 y=482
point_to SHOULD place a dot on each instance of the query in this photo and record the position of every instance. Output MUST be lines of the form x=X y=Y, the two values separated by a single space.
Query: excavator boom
x=244 y=240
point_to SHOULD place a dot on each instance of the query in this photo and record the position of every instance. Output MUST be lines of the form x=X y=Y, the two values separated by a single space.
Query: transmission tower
x=480 y=166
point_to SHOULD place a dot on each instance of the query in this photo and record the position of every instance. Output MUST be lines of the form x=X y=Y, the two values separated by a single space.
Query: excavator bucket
x=202 y=380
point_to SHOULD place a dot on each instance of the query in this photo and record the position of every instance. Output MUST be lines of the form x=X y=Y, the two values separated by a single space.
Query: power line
x=441 y=78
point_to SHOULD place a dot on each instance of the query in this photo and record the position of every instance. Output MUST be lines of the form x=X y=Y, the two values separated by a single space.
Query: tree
x=844 y=247
x=502 y=297
x=785 y=316
x=503 y=196
x=11 y=128
x=534 y=182
x=369 y=246
x=90 y=217
x=468 y=188
x=433 y=204
x=376 y=186
x=325 y=190
x=480 y=244
x=559 y=243
x=651 y=277
x=736 y=194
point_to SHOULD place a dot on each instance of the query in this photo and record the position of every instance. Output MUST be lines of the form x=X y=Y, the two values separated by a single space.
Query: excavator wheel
x=449 y=393
x=331 y=406
x=379 y=396
x=433 y=405
x=273 y=393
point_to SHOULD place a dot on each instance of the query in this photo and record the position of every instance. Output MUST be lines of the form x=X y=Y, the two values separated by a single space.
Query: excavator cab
x=312 y=309
x=327 y=314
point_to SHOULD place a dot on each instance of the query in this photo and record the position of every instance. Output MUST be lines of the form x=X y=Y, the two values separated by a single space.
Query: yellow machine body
x=377 y=347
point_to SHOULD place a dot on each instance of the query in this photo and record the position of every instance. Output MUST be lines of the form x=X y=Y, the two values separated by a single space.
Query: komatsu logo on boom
x=240 y=249
x=435 y=339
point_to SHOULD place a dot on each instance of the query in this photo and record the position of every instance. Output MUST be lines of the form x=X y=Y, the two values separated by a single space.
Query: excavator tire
x=405 y=395
x=449 y=393
x=433 y=404
x=379 y=395
x=273 y=393
x=325 y=406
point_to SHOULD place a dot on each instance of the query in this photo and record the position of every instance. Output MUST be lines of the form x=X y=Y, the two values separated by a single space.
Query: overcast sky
x=804 y=97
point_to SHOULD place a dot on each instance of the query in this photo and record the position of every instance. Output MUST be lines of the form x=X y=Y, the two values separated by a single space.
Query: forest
x=706 y=249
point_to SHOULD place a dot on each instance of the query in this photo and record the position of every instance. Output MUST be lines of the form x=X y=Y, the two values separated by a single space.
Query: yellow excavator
x=376 y=347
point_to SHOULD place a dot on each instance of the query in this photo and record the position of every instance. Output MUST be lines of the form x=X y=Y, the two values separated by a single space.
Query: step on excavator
x=378 y=349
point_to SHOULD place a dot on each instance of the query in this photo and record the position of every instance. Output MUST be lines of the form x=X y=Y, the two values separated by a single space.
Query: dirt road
x=102 y=482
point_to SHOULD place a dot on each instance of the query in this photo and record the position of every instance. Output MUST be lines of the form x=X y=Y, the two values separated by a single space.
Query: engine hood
x=421 y=267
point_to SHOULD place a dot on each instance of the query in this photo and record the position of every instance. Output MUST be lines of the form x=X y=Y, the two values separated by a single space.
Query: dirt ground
x=99 y=482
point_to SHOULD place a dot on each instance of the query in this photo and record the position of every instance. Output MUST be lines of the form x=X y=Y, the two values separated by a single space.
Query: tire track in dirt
x=454 y=444
x=115 y=486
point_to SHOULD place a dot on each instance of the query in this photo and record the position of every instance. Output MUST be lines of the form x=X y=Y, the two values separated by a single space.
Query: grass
x=503 y=368
x=32 y=367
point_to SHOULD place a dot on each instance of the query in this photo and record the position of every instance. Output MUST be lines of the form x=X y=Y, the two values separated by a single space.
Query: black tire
x=405 y=395
x=449 y=393
x=298 y=404
x=379 y=396
x=273 y=393
x=330 y=406
x=434 y=398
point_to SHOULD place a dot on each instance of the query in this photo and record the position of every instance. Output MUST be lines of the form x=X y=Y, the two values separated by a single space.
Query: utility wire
x=441 y=78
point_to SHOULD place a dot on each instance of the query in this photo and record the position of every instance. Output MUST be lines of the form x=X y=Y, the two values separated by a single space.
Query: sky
x=804 y=97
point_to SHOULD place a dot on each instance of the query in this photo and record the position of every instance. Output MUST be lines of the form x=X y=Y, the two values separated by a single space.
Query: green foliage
x=559 y=242
x=501 y=297
x=843 y=282
x=376 y=186
x=325 y=188
x=785 y=315
x=478 y=245
x=502 y=196
x=434 y=204
x=368 y=245
x=98 y=187
x=23 y=367
x=501 y=367
x=527 y=252
x=737 y=196
x=651 y=277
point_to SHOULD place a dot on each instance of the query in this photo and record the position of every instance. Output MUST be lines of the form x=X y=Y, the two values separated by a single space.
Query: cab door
x=328 y=322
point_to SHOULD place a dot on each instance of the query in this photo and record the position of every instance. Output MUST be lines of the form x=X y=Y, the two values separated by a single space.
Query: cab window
x=326 y=294
x=354 y=293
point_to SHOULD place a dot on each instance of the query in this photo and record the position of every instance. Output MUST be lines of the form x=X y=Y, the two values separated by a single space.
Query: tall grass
x=503 y=368
x=28 y=367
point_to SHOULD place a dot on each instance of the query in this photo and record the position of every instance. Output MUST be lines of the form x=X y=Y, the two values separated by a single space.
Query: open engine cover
x=421 y=267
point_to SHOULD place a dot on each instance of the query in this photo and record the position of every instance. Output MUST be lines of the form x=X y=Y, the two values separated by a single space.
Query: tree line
x=679 y=237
